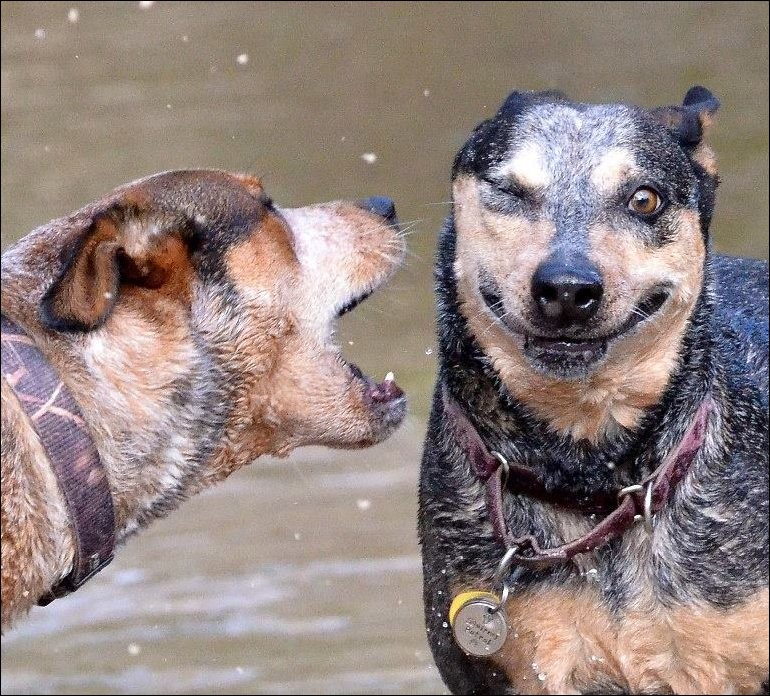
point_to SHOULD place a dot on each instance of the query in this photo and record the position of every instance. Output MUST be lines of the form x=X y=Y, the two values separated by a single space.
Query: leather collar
x=56 y=418
x=622 y=507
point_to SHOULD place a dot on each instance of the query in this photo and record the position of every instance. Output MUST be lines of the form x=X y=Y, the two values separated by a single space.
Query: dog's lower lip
x=383 y=392
x=566 y=345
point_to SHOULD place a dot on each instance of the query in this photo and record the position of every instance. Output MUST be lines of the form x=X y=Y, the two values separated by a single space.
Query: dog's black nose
x=380 y=205
x=567 y=292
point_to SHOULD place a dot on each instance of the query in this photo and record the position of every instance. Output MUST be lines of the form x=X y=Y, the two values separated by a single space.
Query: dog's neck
x=623 y=455
x=157 y=417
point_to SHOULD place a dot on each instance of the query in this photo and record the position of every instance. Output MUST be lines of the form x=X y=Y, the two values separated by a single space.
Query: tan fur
x=705 y=156
x=613 y=168
x=527 y=168
x=637 y=368
x=563 y=641
x=163 y=329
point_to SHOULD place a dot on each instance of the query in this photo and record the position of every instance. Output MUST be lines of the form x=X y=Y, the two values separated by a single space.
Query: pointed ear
x=110 y=254
x=689 y=124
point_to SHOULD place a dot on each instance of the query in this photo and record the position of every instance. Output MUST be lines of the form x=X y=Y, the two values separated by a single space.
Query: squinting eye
x=644 y=201
x=507 y=187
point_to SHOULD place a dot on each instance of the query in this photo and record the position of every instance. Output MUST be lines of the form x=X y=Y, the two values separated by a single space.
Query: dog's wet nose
x=380 y=205
x=567 y=293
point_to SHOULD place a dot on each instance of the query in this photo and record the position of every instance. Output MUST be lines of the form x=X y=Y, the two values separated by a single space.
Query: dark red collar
x=55 y=416
x=624 y=505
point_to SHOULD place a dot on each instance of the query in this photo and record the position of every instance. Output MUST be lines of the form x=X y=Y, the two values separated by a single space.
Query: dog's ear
x=690 y=121
x=113 y=251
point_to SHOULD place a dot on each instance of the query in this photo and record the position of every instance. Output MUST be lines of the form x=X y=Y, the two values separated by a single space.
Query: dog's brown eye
x=644 y=201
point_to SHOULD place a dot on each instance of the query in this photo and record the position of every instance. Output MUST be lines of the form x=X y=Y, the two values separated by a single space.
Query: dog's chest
x=567 y=640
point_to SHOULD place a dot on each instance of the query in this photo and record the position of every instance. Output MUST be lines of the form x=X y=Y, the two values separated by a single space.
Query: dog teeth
x=390 y=377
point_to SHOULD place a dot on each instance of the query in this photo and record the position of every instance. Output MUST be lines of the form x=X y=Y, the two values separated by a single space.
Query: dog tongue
x=387 y=390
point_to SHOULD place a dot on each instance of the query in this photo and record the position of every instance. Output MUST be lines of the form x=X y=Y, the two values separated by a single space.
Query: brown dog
x=191 y=320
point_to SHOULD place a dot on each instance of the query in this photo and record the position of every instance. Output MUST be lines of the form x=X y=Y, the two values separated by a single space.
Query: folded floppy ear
x=86 y=289
x=109 y=254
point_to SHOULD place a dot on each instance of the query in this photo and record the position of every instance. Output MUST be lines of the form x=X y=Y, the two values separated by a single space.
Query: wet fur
x=193 y=329
x=683 y=611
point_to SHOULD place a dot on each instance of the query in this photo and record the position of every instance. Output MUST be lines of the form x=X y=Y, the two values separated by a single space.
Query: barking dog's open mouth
x=385 y=398
x=352 y=304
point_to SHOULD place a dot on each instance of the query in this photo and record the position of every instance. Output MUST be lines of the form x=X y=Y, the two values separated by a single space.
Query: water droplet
x=363 y=504
x=369 y=157
x=134 y=649
x=426 y=93
x=541 y=676
x=146 y=4
x=40 y=33
x=445 y=624
x=429 y=351
x=73 y=15
x=242 y=59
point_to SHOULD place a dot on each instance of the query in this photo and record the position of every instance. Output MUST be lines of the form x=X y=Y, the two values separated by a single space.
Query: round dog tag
x=478 y=623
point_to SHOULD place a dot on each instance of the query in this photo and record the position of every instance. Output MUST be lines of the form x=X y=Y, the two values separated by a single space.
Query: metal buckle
x=648 y=516
x=629 y=490
x=502 y=569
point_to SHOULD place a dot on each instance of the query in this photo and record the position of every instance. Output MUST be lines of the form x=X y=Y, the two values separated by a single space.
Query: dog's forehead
x=549 y=142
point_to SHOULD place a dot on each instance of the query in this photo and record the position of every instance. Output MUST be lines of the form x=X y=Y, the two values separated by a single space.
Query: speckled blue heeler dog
x=594 y=490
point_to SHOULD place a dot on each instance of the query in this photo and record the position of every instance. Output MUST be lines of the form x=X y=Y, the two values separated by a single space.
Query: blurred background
x=303 y=575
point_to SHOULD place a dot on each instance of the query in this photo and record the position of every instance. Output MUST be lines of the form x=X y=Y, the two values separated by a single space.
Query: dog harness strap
x=645 y=499
x=58 y=422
